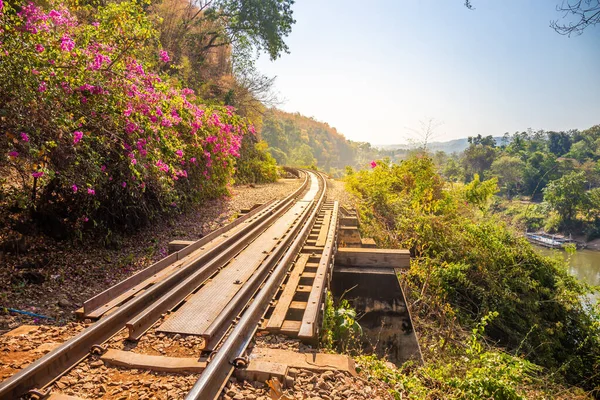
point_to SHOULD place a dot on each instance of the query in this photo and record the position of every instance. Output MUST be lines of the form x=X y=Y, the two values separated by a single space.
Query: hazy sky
x=374 y=69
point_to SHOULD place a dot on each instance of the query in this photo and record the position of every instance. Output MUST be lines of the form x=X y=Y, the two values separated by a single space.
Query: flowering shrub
x=89 y=133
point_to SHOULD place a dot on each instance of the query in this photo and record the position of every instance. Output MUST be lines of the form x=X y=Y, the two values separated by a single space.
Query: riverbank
x=527 y=216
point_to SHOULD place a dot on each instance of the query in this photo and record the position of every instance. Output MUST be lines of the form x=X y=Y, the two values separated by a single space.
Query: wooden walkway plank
x=287 y=295
x=197 y=314
x=361 y=257
x=322 y=239
x=309 y=328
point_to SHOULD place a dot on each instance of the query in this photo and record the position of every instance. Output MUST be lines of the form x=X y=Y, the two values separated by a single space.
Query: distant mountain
x=451 y=146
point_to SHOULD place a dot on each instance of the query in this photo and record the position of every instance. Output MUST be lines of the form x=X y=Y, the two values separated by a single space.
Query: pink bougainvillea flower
x=66 y=43
x=162 y=166
x=103 y=168
x=91 y=191
x=13 y=154
x=24 y=137
x=37 y=174
x=373 y=164
x=1 y=5
x=133 y=161
x=39 y=48
x=74 y=187
x=179 y=153
x=85 y=219
x=77 y=135
x=193 y=160
x=124 y=184
x=42 y=87
x=164 y=56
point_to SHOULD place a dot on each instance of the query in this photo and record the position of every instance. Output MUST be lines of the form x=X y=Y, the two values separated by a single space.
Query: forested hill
x=302 y=141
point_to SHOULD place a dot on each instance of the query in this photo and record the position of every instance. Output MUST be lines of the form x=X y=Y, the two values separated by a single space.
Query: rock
x=323 y=385
x=64 y=303
x=328 y=375
x=96 y=364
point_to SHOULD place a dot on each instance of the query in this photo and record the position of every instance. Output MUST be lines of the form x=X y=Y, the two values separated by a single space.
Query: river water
x=584 y=264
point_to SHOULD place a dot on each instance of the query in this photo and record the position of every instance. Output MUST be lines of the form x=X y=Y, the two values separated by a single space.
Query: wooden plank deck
x=310 y=320
x=287 y=295
x=198 y=313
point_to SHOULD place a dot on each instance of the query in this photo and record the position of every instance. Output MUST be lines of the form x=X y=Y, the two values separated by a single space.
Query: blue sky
x=374 y=69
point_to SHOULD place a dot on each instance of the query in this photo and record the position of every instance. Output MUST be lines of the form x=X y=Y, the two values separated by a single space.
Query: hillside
x=298 y=140
x=450 y=146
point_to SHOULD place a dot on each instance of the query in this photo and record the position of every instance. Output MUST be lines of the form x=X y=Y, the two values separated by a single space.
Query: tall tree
x=479 y=156
x=509 y=170
x=559 y=143
x=566 y=195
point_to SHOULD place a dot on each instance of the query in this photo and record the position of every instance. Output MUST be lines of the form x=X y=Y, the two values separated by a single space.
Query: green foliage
x=480 y=193
x=567 y=195
x=468 y=265
x=479 y=156
x=255 y=165
x=340 y=330
x=263 y=23
x=484 y=375
x=509 y=170
x=296 y=140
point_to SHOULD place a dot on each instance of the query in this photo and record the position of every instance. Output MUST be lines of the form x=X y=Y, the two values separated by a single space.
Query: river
x=584 y=264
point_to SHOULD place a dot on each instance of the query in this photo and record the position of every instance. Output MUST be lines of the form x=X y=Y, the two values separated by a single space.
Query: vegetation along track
x=217 y=289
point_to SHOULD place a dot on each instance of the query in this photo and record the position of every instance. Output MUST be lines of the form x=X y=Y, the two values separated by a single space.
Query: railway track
x=269 y=269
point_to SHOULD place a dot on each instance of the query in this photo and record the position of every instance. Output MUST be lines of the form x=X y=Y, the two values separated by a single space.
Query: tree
x=567 y=194
x=585 y=12
x=478 y=157
x=216 y=44
x=559 y=143
x=452 y=170
x=423 y=136
x=509 y=170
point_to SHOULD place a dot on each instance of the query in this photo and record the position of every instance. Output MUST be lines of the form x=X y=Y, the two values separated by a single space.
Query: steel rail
x=114 y=291
x=58 y=361
x=241 y=298
x=214 y=377
x=144 y=320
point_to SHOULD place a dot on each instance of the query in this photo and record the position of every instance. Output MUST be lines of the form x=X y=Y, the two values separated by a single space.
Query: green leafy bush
x=255 y=165
x=469 y=264
x=341 y=330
